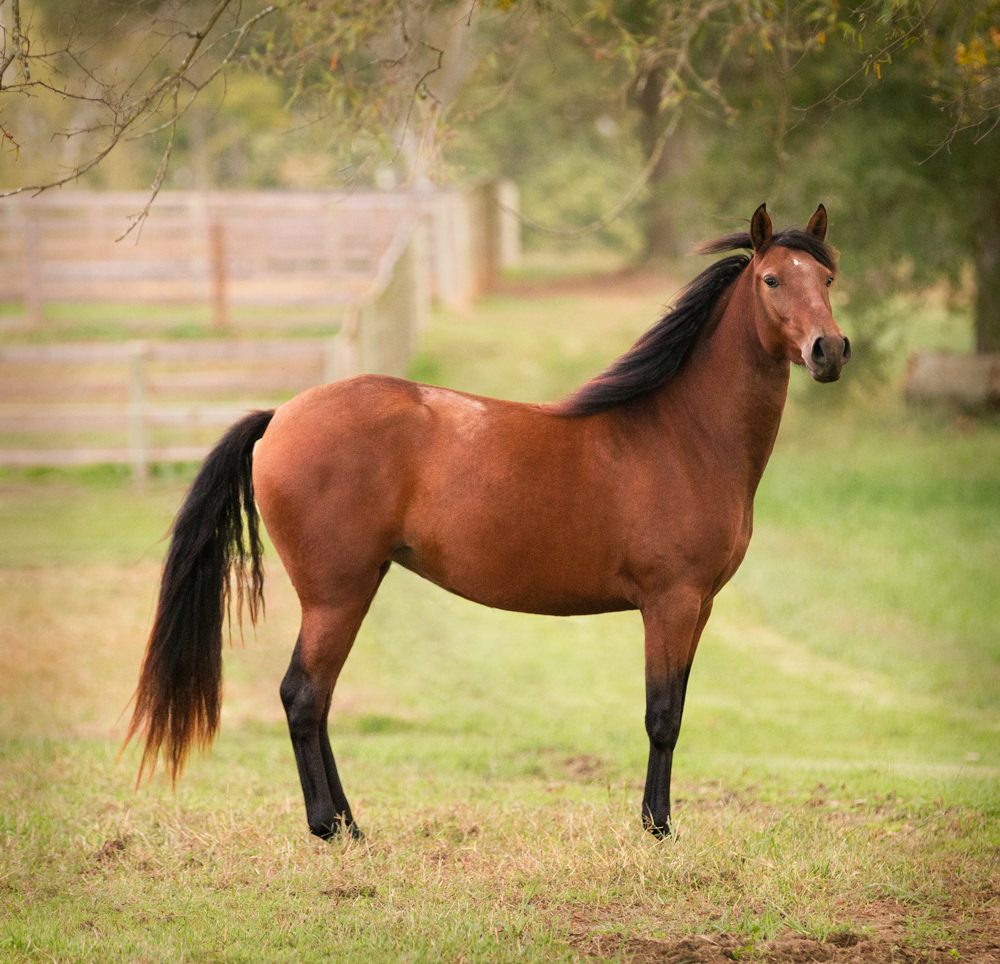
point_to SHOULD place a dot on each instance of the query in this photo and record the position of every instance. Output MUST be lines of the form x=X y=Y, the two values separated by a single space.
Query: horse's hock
x=969 y=382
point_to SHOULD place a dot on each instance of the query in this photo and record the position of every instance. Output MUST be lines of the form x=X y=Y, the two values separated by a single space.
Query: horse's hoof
x=664 y=831
x=338 y=829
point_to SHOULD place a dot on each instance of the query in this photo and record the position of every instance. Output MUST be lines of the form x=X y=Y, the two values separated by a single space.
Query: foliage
x=547 y=116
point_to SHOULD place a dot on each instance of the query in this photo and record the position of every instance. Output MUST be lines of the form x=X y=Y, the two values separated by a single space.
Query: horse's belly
x=514 y=574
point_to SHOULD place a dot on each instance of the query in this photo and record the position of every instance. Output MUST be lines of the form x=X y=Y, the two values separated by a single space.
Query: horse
x=635 y=492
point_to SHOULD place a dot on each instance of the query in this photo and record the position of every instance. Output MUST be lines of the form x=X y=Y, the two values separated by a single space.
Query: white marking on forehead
x=465 y=415
x=796 y=261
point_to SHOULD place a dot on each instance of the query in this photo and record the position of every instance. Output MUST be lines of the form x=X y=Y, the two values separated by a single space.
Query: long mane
x=662 y=351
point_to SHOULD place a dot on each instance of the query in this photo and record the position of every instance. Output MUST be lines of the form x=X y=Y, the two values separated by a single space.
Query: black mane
x=659 y=354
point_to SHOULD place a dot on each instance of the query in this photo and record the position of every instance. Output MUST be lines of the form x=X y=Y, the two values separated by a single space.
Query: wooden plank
x=165 y=351
x=235 y=382
x=237 y=351
x=80 y=354
x=135 y=411
x=26 y=458
x=83 y=417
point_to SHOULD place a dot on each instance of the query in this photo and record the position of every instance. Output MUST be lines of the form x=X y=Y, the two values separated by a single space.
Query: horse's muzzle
x=827 y=356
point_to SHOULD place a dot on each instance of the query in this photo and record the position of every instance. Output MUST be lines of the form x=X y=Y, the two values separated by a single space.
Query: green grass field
x=837 y=782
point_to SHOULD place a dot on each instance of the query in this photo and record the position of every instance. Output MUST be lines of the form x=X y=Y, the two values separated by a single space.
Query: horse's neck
x=731 y=391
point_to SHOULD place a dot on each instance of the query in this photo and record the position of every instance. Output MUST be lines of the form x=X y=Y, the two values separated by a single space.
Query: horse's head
x=791 y=284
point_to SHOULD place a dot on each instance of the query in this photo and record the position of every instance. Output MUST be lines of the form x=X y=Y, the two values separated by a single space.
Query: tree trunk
x=659 y=232
x=986 y=257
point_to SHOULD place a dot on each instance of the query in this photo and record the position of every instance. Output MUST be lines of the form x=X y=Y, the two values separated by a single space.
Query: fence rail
x=146 y=379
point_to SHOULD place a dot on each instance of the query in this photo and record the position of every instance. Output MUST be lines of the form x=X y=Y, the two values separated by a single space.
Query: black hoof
x=665 y=831
x=338 y=829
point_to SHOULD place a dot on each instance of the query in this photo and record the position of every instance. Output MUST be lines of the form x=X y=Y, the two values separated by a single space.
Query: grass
x=837 y=779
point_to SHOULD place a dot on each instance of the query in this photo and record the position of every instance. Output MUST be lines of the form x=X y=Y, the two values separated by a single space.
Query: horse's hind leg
x=307 y=703
x=324 y=642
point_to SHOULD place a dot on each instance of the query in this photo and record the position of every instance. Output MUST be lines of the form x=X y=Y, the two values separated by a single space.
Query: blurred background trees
x=886 y=110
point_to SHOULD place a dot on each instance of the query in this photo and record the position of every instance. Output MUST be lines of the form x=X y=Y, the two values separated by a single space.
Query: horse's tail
x=180 y=687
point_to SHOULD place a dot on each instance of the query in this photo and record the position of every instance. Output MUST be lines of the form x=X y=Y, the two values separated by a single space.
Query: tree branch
x=127 y=115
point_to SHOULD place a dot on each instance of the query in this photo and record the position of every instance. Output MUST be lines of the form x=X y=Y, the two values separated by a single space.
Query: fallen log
x=964 y=381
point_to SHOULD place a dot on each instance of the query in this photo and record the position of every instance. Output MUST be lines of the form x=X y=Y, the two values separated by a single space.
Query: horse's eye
x=829 y=281
x=771 y=281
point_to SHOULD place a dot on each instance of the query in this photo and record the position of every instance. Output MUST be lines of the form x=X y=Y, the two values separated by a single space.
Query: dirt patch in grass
x=881 y=932
x=842 y=947
x=585 y=768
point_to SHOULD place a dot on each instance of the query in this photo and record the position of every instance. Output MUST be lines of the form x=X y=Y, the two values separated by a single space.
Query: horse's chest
x=712 y=543
x=738 y=543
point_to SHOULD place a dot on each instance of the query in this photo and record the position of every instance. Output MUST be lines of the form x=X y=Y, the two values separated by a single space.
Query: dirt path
x=843 y=947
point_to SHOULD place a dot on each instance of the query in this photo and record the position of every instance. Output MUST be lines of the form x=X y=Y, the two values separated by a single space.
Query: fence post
x=137 y=441
x=331 y=359
x=32 y=269
x=345 y=352
x=419 y=284
x=217 y=255
x=458 y=207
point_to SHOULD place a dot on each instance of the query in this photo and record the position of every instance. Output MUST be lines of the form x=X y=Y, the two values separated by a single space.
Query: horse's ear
x=760 y=228
x=817 y=223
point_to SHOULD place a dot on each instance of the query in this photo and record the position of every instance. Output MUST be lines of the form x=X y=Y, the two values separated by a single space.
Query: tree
x=101 y=75
x=69 y=68
x=798 y=74
x=384 y=75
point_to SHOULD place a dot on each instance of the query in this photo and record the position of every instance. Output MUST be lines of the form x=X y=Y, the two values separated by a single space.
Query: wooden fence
x=376 y=259
x=67 y=400
x=145 y=401
x=230 y=249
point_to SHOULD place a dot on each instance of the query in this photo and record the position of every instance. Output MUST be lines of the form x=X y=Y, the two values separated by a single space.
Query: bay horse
x=635 y=492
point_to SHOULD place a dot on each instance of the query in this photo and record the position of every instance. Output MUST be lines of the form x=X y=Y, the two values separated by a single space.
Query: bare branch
x=126 y=115
x=20 y=42
x=833 y=98
x=137 y=220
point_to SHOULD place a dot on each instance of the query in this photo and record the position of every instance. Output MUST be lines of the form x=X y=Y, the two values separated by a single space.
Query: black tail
x=180 y=687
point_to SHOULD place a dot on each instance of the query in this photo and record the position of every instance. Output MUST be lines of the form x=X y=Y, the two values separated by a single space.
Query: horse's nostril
x=847 y=348
x=818 y=354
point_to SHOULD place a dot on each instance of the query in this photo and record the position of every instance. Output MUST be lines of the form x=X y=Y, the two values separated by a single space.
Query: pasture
x=836 y=784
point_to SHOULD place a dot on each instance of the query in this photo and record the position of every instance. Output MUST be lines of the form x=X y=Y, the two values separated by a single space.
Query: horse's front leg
x=673 y=624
